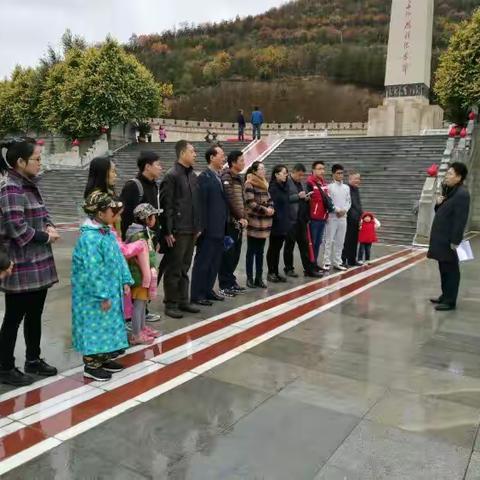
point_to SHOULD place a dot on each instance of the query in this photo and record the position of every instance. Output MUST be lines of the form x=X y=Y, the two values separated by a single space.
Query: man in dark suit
x=349 y=255
x=214 y=208
x=451 y=215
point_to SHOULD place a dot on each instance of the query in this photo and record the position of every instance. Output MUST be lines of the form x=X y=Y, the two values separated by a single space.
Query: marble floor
x=352 y=377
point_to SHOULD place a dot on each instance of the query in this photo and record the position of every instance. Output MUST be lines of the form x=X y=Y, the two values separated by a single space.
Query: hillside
x=340 y=40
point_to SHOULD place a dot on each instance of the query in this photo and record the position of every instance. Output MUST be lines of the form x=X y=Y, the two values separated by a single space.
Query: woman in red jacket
x=367 y=236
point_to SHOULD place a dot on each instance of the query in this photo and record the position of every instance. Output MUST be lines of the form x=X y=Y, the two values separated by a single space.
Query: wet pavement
x=352 y=378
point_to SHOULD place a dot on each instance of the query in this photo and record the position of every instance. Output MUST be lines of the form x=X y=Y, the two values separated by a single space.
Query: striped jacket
x=23 y=220
x=257 y=201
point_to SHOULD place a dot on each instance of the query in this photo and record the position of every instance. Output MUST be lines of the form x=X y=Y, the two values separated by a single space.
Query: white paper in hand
x=464 y=251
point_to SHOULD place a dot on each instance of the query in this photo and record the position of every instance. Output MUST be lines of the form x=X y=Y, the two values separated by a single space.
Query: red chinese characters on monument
x=407 y=31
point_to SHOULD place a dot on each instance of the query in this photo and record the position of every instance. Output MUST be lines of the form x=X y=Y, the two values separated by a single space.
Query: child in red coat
x=367 y=235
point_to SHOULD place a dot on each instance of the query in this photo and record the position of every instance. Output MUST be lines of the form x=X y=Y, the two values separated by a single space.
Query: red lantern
x=463 y=132
x=472 y=116
x=104 y=129
x=41 y=142
x=432 y=170
x=76 y=143
x=453 y=131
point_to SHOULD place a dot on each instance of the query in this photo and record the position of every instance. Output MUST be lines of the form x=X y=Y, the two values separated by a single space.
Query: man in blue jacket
x=214 y=212
x=257 y=121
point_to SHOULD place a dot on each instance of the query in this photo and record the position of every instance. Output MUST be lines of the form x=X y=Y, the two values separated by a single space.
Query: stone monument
x=406 y=109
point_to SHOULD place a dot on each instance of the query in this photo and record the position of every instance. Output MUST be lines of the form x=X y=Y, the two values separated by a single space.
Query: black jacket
x=356 y=210
x=131 y=198
x=281 y=203
x=214 y=209
x=241 y=120
x=449 y=224
x=180 y=200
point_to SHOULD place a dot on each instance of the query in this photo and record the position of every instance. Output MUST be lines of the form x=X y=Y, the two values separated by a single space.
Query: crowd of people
x=115 y=273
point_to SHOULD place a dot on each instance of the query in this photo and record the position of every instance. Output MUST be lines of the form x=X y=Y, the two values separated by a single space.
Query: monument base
x=403 y=116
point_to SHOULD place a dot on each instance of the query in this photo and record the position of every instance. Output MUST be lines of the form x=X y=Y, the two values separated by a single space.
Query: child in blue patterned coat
x=100 y=278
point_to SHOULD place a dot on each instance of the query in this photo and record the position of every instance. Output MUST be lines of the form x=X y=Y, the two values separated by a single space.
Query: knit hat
x=99 y=201
x=143 y=211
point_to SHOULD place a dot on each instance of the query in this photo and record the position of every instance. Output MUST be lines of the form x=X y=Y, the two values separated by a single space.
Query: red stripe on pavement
x=41 y=394
x=55 y=424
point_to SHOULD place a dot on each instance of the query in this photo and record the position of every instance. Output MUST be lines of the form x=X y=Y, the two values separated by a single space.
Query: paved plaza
x=351 y=377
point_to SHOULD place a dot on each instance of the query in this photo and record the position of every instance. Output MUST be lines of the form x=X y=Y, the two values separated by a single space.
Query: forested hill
x=343 y=40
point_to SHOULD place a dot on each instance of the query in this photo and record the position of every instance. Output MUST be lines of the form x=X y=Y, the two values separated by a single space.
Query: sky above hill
x=29 y=26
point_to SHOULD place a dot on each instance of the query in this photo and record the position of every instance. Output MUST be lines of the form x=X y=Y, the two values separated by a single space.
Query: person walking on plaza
x=281 y=224
x=100 y=279
x=237 y=222
x=259 y=215
x=256 y=121
x=451 y=215
x=337 y=221
x=214 y=211
x=367 y=236
x=299 y=209
x=181 y=226
x=162 y=134
x=349 y=254
x=241 y=126
x=27 y=232
x=321 y=206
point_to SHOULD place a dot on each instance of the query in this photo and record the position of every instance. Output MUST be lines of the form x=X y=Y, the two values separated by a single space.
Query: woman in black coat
x=451 y=215
x=278 y=190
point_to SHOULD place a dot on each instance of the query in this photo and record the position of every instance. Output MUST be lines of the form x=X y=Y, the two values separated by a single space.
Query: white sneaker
x=326 y=267
x=340 y=267
x=152 y=317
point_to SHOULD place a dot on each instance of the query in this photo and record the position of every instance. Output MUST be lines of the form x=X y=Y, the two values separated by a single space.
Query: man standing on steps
x=237 y=222
x=337 y=221
x=180 y=220
x=210 y=244
x=299 y=217
x=451 y=215
x=144 y=188
x=349 y=255
x=257 y=121
x=241 y=126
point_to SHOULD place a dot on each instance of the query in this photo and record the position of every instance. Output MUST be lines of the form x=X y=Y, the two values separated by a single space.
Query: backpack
x=141 y=192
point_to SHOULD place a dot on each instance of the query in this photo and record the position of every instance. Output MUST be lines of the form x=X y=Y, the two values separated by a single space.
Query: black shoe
x=15 y=377
x=313 y=274
x=173 y=312
x=228 y=292
x=203 y=302
x=291 y=273
x=215 y=297
x=40 y=367
x=117 y=353
x=251 y=283
x=436 y=300
x=354 y=264
x=259 y=283
x=112 y=366
x=98 y=374
x=444 y=307
x=238 y=289
x=273 y=278
x=189 y=308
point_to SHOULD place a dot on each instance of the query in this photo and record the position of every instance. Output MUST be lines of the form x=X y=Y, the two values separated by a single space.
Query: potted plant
x=144 y=130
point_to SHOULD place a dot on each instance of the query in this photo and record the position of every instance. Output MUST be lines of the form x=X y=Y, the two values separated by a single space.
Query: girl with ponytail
x=27 y=233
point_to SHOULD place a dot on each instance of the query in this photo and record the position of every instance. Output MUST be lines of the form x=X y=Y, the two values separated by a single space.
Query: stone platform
x=354 y=376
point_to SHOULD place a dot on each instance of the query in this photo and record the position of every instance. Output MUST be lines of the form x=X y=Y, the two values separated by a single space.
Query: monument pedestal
x=400 y=116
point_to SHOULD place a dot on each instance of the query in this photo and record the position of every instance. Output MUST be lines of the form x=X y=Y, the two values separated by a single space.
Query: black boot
x=259 y=283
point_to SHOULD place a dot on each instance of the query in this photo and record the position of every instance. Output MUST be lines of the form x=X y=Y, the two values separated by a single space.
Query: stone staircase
x=392 y=169
x=63 y=189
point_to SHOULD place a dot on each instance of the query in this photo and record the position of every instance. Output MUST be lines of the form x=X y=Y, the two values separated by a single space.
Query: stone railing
x=463 y=150
x=196 y=131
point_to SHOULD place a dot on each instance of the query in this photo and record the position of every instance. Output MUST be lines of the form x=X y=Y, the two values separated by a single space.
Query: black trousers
x=364 y=251
x=273 y=252
x=29 y=308
x=298 y=235
x=255 y=249
x=450 y=281
x=177 y=264
x=230 y=258
x=349 y=254
x=206 y=266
